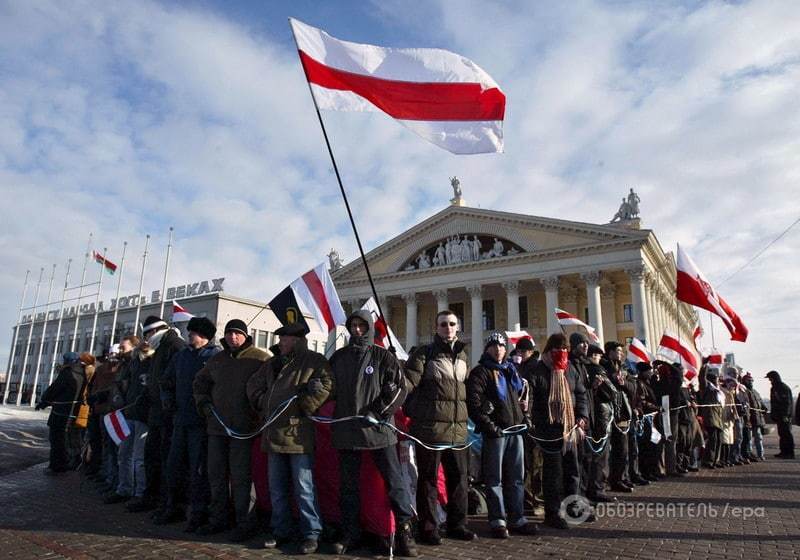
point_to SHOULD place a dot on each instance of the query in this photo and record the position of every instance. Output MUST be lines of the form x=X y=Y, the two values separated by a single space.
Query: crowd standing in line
x=519 y=431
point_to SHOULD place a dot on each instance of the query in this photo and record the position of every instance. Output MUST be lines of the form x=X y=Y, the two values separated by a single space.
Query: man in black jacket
x=367 y=382
x=623 y=418
x=780 y=402
x=604 y=396
x=437 y=407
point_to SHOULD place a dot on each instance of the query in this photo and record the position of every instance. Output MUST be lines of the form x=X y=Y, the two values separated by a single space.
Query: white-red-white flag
x=316 y=295
x=675 y=351
x=694 y=289
x=179 y=313
x=568 y=319
x=637 y=352
x=117 y=426
x=383 y=332
x=442 y=96
x=515 y=336
x=715 y=358
x=698 y=332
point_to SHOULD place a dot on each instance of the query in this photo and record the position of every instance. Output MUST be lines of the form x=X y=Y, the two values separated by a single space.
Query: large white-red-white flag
x=117 y=426
x=694 y=289
x=384 y=336
x=637 y=352
x=312 y=294
x=568 y=319
x=179 y=313
x=675 y=351
x=442 y=96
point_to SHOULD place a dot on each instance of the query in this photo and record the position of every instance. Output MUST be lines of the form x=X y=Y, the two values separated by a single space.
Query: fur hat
x=152 y=323
x=236 y=325
x=202 y=326
x=293 y=329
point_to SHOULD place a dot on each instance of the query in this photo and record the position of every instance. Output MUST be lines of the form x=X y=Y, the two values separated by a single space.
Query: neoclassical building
x=500 y=271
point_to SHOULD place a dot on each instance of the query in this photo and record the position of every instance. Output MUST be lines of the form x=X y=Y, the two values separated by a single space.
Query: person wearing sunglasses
x=437 y=406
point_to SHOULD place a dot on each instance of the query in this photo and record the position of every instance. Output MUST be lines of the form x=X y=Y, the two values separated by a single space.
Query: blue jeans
x=297 y=468
x=504 y=476
x=130 y=456
x=110 y=465
x=758 y=441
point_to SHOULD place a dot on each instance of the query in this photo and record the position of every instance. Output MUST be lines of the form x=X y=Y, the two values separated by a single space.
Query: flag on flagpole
x=384 y=336
x=698 y=332
x=116 y=426
x=179 y=313
x=675 y=351
x=637 y=352
x=515 y=336
x=109 y=266
x=312 y=294
x=442 y=96
x=694 y=289
x=568 y=319
x=715 y=358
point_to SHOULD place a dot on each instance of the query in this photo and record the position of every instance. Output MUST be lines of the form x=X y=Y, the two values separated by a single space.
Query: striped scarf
x=559 y=401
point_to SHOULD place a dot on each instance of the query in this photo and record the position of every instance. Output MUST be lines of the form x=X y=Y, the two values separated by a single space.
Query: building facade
x=504 y=271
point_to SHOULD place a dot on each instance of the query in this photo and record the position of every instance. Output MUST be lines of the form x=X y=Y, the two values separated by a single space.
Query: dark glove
x=388 y=389
x=40 y=406
x=494 y=433
x=91 y=400
x=206 y=410
x=315 y=387
x=528 y=423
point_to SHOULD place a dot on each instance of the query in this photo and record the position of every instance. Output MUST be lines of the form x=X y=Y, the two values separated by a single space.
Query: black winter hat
x=577 y=338
x=524 y=344
x=642 y=367
x=202 y=326
x=236 y=325
x=153 y=322
x=594 y=349
x=293 y=329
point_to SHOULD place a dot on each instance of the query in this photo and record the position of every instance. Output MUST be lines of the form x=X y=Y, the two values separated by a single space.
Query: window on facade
x=458 y=309
x=488 y=314
x=261 y=339
x=627 y=313
x=523 y=312
x=586 y=315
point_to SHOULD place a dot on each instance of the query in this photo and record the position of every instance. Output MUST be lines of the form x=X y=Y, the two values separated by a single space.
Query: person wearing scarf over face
x=559 y=407
x=494 y=389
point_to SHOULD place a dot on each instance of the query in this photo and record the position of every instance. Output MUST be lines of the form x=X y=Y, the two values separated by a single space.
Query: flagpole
x=16 y=336
x=166 y=270
x=97 y=301
x=116 y=301
x=341 y=189
x=60 y=319
x=30 y=335
x=44 y=332
x=141 y=284
x=80 y=295
x=711 y=326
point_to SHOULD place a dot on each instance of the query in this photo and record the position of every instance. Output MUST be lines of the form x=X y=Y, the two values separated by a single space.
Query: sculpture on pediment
x=476 y=248
x=457 y=199
x=497 y=249
x=461 y=249
x=423 y=261
x=633 y=203
x=439 y=256
x=629 y=208
x=334 y=262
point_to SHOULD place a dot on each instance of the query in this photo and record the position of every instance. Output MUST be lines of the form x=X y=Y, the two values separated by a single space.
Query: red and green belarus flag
x=110 y=267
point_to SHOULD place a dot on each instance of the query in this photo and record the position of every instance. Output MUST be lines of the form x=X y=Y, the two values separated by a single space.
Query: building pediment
x=462 y=236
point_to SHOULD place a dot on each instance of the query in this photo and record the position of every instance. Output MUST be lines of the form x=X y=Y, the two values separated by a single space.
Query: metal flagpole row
x=341 y=189
x=26 y=351
x=141 y=284
x=41 y=342
x=16 y=336
x=166 y=271
x=60 y=320
x=80 y=295
x=97 y=301
x=119 y=283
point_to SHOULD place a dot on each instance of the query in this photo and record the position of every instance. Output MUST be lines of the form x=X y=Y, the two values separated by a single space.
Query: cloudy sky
x=123 y=118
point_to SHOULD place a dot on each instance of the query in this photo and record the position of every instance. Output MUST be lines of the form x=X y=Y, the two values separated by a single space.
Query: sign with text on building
x=176 y=292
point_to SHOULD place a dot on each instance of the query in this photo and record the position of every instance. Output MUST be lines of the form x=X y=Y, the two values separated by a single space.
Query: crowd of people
x=519 y=432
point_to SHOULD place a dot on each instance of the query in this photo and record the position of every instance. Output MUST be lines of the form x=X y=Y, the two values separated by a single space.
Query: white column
x=441 y=300
x=650 y=284
x=512 y=304
x=592 y=280
x=476 y=330
x=639 y=300
x=608 y=304
x=551 y=302
x=411 y=300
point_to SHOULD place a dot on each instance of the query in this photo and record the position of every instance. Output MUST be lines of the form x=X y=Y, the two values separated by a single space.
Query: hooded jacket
x=366 y=379
x=280 y=379
x=437 y=400
x=166 y=344
x=780 y=400
x=222 y=384
x=177 y=383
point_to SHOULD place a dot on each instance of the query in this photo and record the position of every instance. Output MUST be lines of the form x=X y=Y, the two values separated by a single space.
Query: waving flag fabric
x=694 y=289
x=637 y=352
x=109 y=266
x=515 y=336
x=312 y=294
x=442 y=96
x=675 y=351
x=383 y=333
x=179 y=313
x=116 y=426
x=567 y=319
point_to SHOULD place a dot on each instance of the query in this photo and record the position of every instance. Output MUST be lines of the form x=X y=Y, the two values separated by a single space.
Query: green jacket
x=277 y=381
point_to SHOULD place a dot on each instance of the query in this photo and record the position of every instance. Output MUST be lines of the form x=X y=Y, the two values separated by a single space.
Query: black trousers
x=349 y=495
x=713 y=446
x=597 y=472
x=560 y=477
x=59 y=459
x=619 y=456
x=633 y=454
x=187 y=463
x=785 y=436
x=456 y=473
x=152 y=464
x=229 y=457
x=94 y=432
